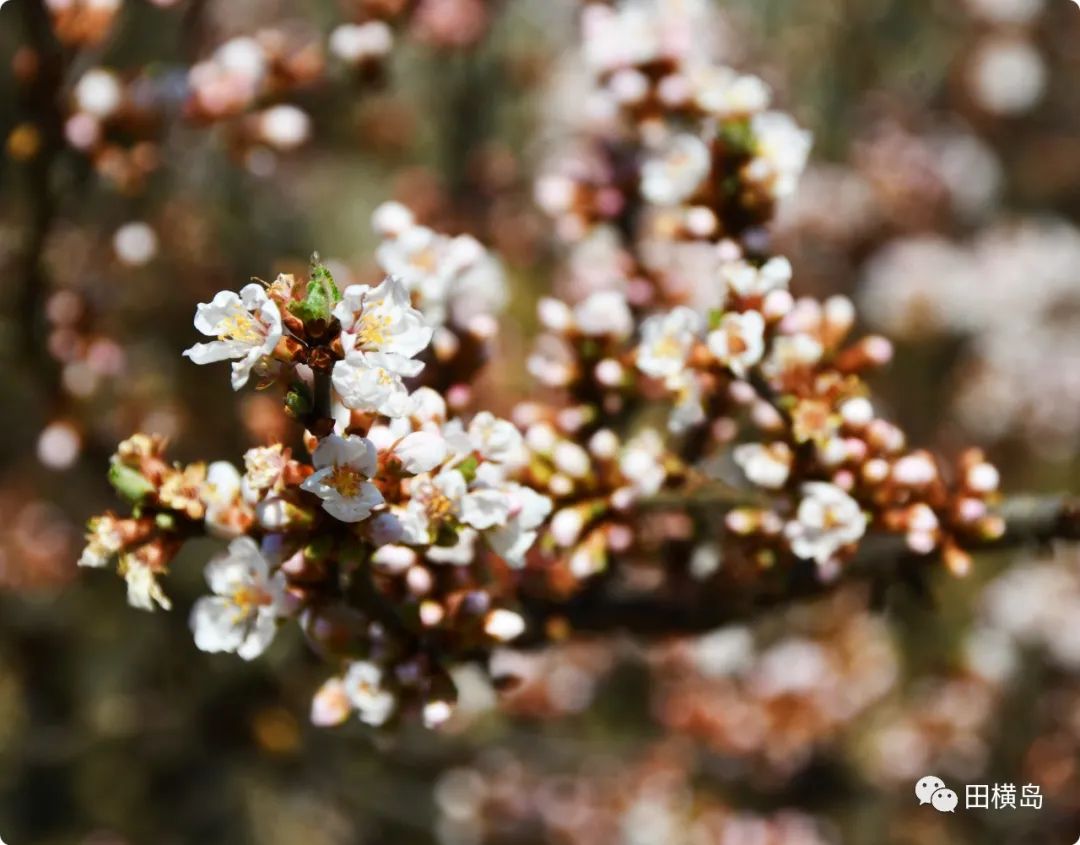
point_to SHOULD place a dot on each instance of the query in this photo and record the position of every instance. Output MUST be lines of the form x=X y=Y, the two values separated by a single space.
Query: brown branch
x=882 y=560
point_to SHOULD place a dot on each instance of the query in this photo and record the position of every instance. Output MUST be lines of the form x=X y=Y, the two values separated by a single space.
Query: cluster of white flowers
x=365 y=689
x=360 y=689
x=1014 y=293
x=452 y=279
x=695 y=124
x=735 y=339
x=464 y=492
x=644 y=31
x=400 y=545
x=1036 y=605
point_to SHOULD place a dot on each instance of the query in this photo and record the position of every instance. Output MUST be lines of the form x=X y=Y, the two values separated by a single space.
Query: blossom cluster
x=776 y=704
x=698 y=429
x=258 y=85
x=673 y=146
x=393 y=507
x=646 y=798
x=1011 y=293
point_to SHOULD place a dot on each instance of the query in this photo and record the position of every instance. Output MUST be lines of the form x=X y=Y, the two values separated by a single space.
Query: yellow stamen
x=240 y=328
x=667 y=347
x=372 y=329
x=438 y=506
x=346 y=480
x=247 y=600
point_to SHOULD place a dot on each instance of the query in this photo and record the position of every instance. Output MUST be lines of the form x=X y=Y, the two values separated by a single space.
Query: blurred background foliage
x=114 y=729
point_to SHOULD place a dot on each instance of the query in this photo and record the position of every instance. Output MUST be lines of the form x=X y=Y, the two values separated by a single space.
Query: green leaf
x=131 y=484
x=321 y=296
x=320 y=273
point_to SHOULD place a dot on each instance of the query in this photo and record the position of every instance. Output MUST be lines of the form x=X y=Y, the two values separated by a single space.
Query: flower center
x=831 y=519
x=668 y=347
x=247 y=599
x=373 y=329
x=437 y=505
x=346 y=480
x=737 y=345
x=240 y=328
x=425 y=259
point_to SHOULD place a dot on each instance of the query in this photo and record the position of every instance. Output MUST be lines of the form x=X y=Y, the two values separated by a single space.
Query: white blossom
x=640 y=461
x=504 y=625
x=782 y=149
x=263 y=466
x=673 y=173
x=666 y=341
x=739 y=341
x=528 y=510
x=495 y=439
x=356 y=43
x=746 y=280
x=827 y=520
x=449 y=276
x=381 y=335
x=248 y=598
x=436 y=712
x=421 y=451
x=103 y=541
x=428 y=407
x=247 y=327
x=382 y=319
x=462 y=553
x=373 y=382
x=363 y=684
x=445 y=498
x=343 y=466
x=765 y=465
x=478 y=292
x=143 y=589
x=330 y=705
x=689 y=410
x=726 y=93
x=221 y=494
x=604 y=313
